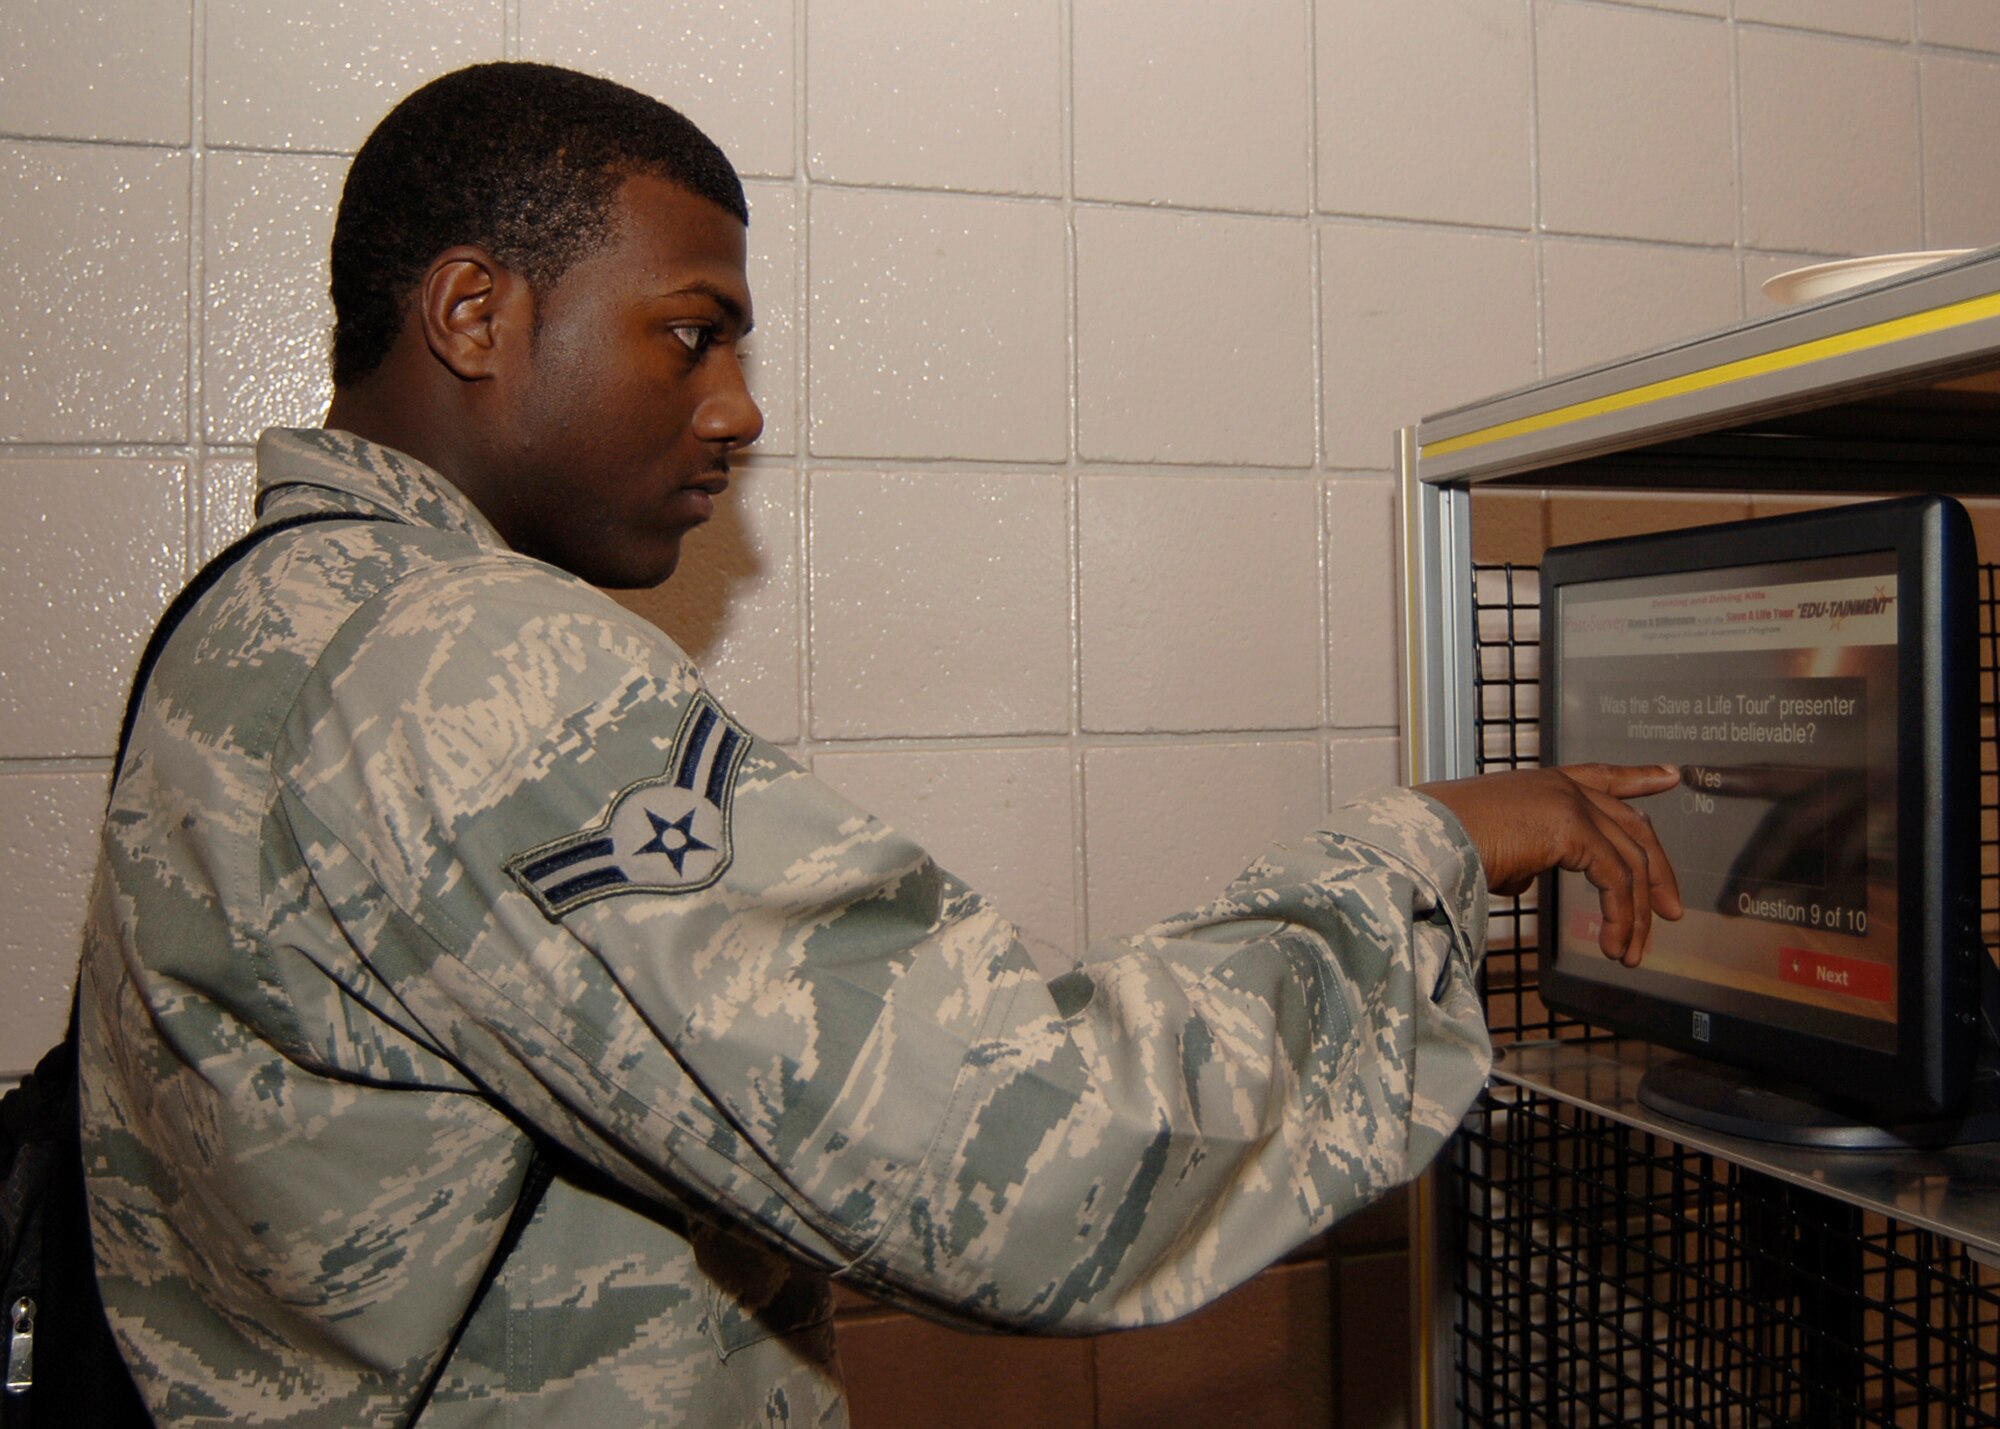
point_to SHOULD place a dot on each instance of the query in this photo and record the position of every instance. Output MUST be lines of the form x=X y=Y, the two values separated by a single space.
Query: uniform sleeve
x=662 y=943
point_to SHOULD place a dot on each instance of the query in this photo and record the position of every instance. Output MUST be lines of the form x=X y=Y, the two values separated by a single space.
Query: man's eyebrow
x=715 y=293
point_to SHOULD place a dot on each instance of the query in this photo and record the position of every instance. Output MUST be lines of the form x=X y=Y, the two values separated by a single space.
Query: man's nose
x=729 y=414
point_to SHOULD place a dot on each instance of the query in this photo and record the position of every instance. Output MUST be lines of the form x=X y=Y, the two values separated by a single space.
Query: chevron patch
x=666 y=834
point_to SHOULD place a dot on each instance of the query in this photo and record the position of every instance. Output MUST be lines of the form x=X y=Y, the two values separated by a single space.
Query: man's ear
x=473 y=311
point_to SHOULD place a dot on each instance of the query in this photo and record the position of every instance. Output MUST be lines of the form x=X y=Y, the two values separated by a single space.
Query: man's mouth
x=700 y=494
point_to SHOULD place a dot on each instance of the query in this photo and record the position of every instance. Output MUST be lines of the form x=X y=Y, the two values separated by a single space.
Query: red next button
x=1856 y=978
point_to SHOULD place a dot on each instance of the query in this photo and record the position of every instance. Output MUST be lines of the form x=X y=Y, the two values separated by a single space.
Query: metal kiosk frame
x=1580 y=1260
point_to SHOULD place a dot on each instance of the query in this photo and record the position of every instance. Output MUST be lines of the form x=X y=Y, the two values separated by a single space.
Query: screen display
x=1773 y=688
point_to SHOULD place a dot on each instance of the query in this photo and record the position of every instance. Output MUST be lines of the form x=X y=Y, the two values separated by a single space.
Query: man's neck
x=355 y=410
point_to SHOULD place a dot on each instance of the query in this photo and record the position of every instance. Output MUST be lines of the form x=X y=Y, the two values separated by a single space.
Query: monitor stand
x=1760 y=1108
x=1738 y=1103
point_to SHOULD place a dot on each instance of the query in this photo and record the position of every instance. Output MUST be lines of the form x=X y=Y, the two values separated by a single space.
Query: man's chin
x=644 y=582
x=637 y=573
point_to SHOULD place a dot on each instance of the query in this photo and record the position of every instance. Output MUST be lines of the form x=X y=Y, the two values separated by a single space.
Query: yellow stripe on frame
x=1802 y=354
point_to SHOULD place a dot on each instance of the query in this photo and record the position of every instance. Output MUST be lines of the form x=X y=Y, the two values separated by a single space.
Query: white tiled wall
x=1830 y=143
x=1083 y=330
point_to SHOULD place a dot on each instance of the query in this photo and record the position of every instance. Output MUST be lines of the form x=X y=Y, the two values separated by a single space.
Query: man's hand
x=1528 y=822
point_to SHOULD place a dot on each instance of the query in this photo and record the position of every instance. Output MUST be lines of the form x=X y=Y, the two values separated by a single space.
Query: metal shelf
x=1935 y=326
x=1954 y=1192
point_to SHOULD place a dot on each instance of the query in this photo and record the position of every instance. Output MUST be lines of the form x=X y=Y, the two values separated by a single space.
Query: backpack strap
x=203 y=582
x=79 y=1382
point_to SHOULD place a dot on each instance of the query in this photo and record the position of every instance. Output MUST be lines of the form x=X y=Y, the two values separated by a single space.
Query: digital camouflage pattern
x=404 y=861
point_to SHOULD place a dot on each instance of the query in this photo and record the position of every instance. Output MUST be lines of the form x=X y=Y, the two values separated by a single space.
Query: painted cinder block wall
x=1083 y=330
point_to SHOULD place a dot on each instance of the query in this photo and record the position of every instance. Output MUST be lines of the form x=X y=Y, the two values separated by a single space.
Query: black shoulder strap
x=203 y=582
x=541 y=1170
x=83 y=1379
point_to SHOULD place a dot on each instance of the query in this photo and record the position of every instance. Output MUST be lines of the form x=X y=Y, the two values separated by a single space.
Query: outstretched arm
x=678 y=955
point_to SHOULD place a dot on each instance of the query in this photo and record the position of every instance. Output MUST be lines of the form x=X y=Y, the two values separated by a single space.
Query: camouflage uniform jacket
x=422 y=842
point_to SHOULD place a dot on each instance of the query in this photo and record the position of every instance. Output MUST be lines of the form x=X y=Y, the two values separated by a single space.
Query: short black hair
x=524 y=160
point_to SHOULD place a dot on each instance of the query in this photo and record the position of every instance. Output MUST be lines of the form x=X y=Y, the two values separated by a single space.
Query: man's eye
x=694 y=339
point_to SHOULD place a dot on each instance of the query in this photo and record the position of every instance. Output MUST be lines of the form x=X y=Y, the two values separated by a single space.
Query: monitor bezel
x=1938 y=1026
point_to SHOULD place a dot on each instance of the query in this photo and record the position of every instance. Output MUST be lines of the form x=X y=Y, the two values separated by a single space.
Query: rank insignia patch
x=667 y=834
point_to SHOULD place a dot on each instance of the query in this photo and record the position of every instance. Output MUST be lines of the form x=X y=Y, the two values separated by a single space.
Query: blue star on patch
x=684 y=843
x=666 y=834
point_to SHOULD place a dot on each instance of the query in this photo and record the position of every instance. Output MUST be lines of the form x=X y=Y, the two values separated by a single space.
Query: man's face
x=614 y=434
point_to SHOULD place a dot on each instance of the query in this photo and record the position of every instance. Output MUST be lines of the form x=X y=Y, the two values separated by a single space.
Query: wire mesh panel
x=1507 y=671
x=1612 y=1277
x=1609 y=1276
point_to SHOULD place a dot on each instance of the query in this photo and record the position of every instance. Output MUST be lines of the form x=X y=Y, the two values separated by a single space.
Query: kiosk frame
x=1886 y=389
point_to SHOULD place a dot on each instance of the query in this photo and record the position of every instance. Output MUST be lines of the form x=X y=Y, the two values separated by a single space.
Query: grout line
x=153 y=451
x=1066 y=197
x=83 y=141
x=1046 y=197
x=197 y=471
x=1135 y=466
x=1127 y=739
x=1323 y=654
x=1322 y=506
x=1923 y=177
x=1535 y=189
x=1535 y=231
x=1960 y=52
x=1314 y=274
x=1321 y=447
x=1066 y=140
x=1877 y=42
x=1736 y=161
x=55 y=764
x=802 y=366
x=1079 y=860
x=1626 y=240
x=1079 y=823
x=1190 y=469
x=1322 y=486
x=1312 y=109
x=288 y=151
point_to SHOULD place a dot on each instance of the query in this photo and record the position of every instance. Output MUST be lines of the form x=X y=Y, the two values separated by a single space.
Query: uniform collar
x=298 y=468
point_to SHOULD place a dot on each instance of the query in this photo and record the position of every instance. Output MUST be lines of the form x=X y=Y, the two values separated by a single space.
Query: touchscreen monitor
x=1811 y=678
